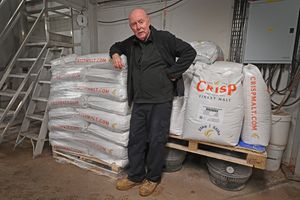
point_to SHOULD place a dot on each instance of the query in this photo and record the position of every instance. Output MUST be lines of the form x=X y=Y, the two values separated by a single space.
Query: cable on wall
x=150 y=13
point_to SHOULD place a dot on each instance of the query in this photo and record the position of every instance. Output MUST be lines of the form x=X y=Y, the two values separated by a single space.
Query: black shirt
x=150 y=81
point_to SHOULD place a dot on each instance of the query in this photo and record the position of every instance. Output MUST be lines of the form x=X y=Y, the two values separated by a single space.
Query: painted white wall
x=189 y=20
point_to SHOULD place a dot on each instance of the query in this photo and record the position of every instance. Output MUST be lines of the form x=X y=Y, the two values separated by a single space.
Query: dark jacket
x=169 y=48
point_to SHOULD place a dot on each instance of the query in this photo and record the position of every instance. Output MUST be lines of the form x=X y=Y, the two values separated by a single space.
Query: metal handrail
x=11 y=64
x=11 y=21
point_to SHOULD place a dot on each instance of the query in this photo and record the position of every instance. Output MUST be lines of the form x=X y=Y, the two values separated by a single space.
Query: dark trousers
x=149 y=130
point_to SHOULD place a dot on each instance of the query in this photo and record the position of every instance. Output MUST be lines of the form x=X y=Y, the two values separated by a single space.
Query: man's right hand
x=117 y=61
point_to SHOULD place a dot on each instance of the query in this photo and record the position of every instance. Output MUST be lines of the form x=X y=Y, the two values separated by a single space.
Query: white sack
x=215 y=110
x=99 y=103
x=177 y=115
x=67 y=99
x=68 y=74
x=107 y=75
x=118 y=138
x=101 y=60
x=68 y=124
x=63 y=113
x=113 y=122
x=107 y=90
x=207 y=52
x=257 y=121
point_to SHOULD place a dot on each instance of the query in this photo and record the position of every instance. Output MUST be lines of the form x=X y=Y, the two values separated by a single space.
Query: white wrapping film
x=99 y=103
x=90 y=145
x=207 y=51
x=107 y=90
x=107 y=75
x=215 y=109
x=113 y=122
x=115 y=137
x=257 y=121
x=63 y=113
x=68 y=124
x=67 y=99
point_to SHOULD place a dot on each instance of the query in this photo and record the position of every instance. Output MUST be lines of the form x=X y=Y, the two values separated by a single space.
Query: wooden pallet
x=241 y=156
x=90 y=163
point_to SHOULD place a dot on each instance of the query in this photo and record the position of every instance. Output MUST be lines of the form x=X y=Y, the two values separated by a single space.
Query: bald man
x=154 y=78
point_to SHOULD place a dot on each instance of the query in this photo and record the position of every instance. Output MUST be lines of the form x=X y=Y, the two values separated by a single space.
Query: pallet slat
x=88 y=162
x=250 y=158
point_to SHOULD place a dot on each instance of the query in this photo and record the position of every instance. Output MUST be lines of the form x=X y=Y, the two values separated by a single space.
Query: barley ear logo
x=114 y=92
x=255 y=135
x=208 y=132
x=114 y=125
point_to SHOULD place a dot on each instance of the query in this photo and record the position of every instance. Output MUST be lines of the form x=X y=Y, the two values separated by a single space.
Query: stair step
x=42 y=99
x=27 y=59
x=36 y=44
x=47 y=65
x=10 y=92
x=20 y=75
x=45 y=82
x=11 y=112
x=36 y=117
x=30 y=134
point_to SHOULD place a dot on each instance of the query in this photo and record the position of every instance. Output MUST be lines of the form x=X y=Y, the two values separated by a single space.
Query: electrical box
x=271 y=31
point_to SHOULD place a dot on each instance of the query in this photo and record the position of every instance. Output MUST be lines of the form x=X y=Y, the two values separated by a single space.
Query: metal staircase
x=22 y=72
x=35 y=122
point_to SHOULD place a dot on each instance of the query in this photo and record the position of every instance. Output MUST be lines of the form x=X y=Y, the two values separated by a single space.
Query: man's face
x=140 y=24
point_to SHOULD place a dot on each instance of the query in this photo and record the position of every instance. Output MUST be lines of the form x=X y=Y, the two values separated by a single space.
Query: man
x=153 y=79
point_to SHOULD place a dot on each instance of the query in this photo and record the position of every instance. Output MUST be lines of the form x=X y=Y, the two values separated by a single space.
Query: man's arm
x=115 y=52
x=185 y=54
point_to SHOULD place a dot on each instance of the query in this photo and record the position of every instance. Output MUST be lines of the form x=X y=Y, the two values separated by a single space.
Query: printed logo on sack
x=253 y=103
x=208 y=132
x=92 y=60
x=95 y=90
x=215 y=88
x=96 y=119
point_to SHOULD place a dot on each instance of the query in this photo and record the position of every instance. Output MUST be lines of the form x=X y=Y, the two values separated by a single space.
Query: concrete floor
x=44 y=179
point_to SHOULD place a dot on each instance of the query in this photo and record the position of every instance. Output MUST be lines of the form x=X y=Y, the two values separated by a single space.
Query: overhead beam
x=76 y=4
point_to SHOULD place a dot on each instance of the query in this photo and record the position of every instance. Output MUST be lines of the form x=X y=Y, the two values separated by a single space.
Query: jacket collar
x=151 y=36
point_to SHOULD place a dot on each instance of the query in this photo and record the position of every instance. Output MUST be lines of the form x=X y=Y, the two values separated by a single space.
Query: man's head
x=139 y=23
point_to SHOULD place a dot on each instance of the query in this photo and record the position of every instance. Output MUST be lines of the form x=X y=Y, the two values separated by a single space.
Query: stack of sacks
x=207 y=52
x=215 y=111
x=88 y=106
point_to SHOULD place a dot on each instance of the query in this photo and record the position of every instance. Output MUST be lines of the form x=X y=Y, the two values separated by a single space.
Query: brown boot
x=147 y=188
x=125 y=184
